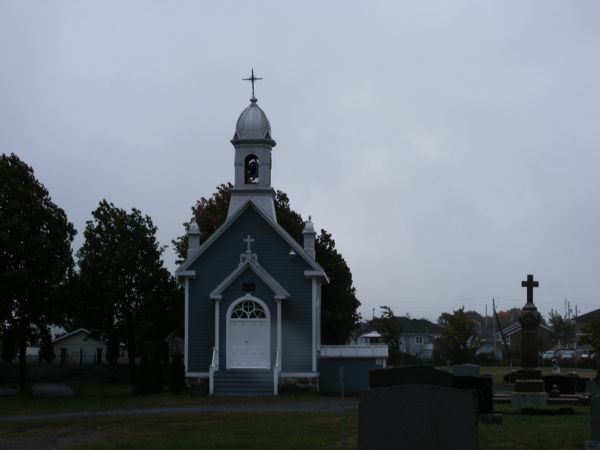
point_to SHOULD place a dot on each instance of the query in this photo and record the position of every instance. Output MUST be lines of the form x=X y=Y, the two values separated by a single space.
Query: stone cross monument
x=529 y=385
x=529 y=318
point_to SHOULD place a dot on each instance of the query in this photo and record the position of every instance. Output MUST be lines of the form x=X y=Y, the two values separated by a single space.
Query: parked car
x=567 y=355
x=548 y=355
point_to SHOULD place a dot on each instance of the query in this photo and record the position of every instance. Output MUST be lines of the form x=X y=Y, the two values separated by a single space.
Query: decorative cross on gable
x=248 y=241
x=530 y=284
x=248 y=255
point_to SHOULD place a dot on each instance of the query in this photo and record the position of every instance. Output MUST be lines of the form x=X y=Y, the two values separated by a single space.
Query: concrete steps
x=243 y=383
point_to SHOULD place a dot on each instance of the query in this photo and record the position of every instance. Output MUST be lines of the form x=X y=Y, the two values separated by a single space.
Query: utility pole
x=494 y=326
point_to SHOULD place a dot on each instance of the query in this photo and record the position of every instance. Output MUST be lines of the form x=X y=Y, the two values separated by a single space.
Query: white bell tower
x=253 y=144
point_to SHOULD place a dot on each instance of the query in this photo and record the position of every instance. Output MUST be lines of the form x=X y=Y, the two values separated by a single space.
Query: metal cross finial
x=530 y=284
x=248 y=241
x=252 y=79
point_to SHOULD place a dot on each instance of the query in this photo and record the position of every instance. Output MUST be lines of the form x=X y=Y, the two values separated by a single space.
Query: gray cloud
x=450 y=147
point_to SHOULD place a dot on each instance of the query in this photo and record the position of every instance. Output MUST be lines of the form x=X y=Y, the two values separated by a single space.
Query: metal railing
x=276 y=372
x=214 y=366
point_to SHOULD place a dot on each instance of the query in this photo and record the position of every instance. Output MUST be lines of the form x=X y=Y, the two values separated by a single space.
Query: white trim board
x=196 y=374
x=299 y=374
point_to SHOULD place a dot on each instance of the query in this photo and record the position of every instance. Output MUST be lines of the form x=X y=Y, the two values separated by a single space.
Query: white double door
x=248 y=344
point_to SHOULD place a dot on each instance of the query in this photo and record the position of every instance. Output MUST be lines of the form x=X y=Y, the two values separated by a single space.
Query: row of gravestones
x=567 y=384
x=463 y=377
x=424 y=408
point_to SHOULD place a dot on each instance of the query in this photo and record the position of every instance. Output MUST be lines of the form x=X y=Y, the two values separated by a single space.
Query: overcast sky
x=450 y=147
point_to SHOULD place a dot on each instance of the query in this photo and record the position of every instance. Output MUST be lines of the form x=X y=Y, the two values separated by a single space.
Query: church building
x=252 y=292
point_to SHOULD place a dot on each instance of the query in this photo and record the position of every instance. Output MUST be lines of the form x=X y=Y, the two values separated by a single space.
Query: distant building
x=79 y=347
x=417 y=338
x=512 y=334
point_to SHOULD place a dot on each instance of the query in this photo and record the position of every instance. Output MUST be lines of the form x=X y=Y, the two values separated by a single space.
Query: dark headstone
x=566 y=384
x=8 y=391
x=595 y=411
x=417 y=417
x=397 y=376
x=592 y=387
x=52 y=390
x=468 y=370
x=483 y=388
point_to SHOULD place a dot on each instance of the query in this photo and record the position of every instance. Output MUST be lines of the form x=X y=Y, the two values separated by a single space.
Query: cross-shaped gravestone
x=249 y=242
x=530 y=284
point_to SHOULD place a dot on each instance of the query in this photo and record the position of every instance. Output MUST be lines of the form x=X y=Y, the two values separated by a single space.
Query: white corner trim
x=186 y=274
x=185 y=325
x=354 y=351
x=196 y=374
x=299 y=374
x=314 y=324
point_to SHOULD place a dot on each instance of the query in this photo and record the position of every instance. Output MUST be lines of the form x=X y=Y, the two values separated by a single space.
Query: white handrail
x=214 y=366
x=276 y=372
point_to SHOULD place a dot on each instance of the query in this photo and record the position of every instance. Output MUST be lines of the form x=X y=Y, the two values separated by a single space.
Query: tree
x=564 y=328
x=177 y=373
x=458 y=341
x=127 y=294
x=46 y=347
x=339 y=315
x=390 y=329
x=35 y=256
x=591 y=337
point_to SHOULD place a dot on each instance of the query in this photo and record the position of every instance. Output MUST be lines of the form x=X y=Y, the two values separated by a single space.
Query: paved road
x=300 y=406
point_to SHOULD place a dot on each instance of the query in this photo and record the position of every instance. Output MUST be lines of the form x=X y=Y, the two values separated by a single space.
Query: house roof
x=419 y=326
x=183 y=270
x=592 y=315
x=515 y=327
x=409 y=326
x=279 y=290
x=72 y=333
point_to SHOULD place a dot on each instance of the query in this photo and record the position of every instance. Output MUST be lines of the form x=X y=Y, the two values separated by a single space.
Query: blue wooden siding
x=218 y=261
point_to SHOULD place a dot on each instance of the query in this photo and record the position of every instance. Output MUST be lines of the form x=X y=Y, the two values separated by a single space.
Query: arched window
x=248 y=309
x=251 y=169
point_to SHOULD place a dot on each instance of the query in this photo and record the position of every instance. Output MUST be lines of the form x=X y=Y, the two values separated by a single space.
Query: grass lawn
x=267 y=430
x=270 y=431
x=102 y=397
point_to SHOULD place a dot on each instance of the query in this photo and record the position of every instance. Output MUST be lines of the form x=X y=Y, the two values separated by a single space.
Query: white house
x=79 y=347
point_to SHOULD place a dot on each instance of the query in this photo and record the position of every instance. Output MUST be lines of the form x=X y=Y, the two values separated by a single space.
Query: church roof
x=183 y=270
x=279 y=290
x=253 y=125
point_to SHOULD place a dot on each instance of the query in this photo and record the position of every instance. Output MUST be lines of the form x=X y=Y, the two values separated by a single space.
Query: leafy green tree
x=127 y=294
x=591 y=337
x=458 y=341
x=390 y=328
x=35 y=255
x=339 y=303
x=564 y=328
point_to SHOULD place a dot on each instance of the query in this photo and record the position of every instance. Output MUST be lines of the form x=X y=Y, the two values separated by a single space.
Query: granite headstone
x=417 y=417
x=466 y=370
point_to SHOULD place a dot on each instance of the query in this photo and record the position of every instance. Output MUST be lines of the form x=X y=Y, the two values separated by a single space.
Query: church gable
x=277 y=252
x=249 y=265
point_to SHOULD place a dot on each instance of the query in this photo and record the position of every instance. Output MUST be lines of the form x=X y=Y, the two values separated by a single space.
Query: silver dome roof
x=253 y=124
